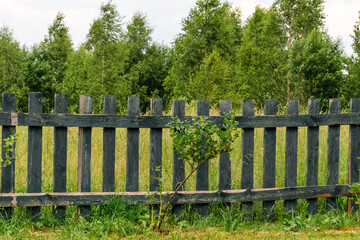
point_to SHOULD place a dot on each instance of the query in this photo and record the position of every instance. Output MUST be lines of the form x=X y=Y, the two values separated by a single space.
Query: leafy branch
x=9 y=150
x=199 y=141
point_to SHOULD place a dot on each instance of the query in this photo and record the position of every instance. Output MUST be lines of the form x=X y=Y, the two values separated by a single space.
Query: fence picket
x=8 y=172
x=202 y=174
x=333 y=153
x=60 y=154
x=354 y=151
x=247 y=156
x=224 y=161
x=291 y=154
x=312 y=155
x=84 y=154
x=132 y=148
x=269 y=159
x=178 y=164
x=155 y=146
x=34 y=153
x=109 y=147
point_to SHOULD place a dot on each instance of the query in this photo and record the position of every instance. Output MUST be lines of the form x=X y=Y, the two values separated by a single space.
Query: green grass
x=117 y=220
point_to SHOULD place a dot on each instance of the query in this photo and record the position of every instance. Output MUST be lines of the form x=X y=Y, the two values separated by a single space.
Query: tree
x=147 y=64
x=211 y=25
x=108 y=54
x=299 y=18
x=262 y=60
x=316 y=65
x=48 y=61
x=350 y=88
x=13 y=64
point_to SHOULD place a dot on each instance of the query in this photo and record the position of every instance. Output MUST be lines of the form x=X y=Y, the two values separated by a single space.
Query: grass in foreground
x=117 y=221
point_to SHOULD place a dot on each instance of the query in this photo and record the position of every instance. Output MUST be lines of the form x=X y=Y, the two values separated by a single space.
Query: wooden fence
x=109 y=121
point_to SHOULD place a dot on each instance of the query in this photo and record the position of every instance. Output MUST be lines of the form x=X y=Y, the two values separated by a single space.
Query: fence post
x=60 y=154
x=109 y=135
x=333 y=153
x=84 y=154
x=34 y=153
x=202 y=175
x=132 y=148
x=247 y=156
x=354 y=151
x=269 y=159
x=178 y=164
x=291 y=154
x=8 y=172
x=312 y=155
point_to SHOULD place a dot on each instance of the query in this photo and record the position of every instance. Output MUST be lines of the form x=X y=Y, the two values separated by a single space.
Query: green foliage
x=210 y=26
x=197 y=142
x=316 y=64
x=13 y=63
x=200 y=140
x=48 y=63
x=261 y=57
x=9 y=150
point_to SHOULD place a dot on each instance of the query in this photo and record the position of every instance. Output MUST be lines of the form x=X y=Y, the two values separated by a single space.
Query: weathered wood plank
x=132 y=148
x=8 y=172
x=60 y=154
x=354 y=151
x=109 y=147
x=269 y=159
x=178 y=164
x=202 y=173
x=156 y=105
x=84 y=154
x=247 y=156
x=183 y=197
x=120 y=121
x=34 y=153
x=333 y=152
x=291 y=154
x=312 y=155
x=224 y=161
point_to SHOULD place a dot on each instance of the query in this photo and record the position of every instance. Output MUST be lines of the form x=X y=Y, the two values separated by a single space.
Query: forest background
x=281 y=52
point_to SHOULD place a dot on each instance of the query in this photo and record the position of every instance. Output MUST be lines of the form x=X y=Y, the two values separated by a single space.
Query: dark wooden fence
x=85 y=121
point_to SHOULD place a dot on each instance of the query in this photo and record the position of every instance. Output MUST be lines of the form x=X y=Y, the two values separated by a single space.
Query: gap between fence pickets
x=183 y=197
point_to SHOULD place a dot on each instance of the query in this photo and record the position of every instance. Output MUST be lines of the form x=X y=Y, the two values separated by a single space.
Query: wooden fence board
x=132 y=148
x=185 y=197
x=224 y=161
x=178 y=164
x=34 y=167
x=155 y=146
x=312 y=155
x=60 y=154
x=333 y=152
x=354 y=150
x=8 y=172
x=84 y=154
x=121 y=121
x=269 y=159
x=247 y=156
x=202 y=173
x=291 y=154
x=109 y=135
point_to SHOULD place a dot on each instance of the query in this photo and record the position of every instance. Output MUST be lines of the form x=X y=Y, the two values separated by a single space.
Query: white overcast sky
x=30 y=19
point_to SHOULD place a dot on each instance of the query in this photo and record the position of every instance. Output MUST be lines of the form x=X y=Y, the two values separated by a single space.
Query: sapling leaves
x=198 y=141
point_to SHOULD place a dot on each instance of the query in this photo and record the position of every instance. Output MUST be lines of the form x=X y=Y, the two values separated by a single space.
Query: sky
x=30 y=19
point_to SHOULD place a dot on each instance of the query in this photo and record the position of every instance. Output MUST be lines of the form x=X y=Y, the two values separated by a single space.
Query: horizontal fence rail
x=35 y=120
